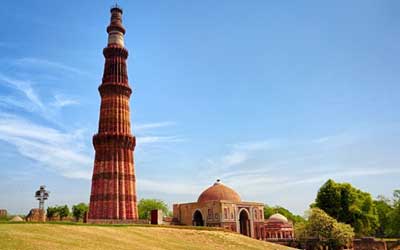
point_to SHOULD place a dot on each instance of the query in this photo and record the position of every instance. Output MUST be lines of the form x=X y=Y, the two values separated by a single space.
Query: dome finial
x=217 y=182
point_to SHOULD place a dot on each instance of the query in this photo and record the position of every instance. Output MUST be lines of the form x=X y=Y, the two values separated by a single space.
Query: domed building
x=278 y=228
x=221 y=206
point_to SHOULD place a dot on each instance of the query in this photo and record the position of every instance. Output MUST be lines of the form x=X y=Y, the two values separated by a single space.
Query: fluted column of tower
x=113 y=195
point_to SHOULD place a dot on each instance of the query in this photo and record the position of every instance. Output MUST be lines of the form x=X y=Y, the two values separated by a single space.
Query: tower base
x=113 y=221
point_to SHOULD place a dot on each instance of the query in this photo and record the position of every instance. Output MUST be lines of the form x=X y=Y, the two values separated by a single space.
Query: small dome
x=16 y=219
x=218 y=192
x=279 y=217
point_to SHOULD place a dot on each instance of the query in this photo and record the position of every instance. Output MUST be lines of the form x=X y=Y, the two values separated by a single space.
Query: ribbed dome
x=218 y=192
x=278 y=217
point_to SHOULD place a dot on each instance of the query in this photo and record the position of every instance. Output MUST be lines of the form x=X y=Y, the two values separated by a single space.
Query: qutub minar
x=113 y=195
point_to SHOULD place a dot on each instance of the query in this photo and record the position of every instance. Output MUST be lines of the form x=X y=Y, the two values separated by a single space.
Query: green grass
x=71 y=236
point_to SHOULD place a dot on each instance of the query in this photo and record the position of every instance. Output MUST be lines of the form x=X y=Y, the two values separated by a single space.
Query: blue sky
x=273 y=97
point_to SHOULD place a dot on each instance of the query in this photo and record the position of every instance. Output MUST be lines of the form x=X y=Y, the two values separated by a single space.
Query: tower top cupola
x=116 y=30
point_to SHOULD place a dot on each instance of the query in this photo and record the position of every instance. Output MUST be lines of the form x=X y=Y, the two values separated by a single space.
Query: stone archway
x=244 y=223
x=198 y=219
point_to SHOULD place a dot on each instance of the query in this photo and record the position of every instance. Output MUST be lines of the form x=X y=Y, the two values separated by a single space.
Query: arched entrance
x=198 y=219
x=244 y=222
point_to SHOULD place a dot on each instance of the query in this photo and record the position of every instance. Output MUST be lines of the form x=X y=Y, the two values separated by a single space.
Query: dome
x=279 y=217
x=218 y=192
x=16 y=219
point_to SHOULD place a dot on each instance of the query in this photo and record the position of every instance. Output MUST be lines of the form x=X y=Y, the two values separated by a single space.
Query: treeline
x=62 y=212
x=341 y=212
x=346 y=204
x=368 y=217
x=78 y=211
x=268 y=211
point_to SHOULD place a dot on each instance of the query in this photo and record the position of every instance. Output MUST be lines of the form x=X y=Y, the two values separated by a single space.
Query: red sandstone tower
x=113 y=195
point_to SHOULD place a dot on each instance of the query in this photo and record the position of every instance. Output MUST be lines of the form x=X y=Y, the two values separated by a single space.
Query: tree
x=52 y=212
x=393 y=229
x=63 y=211
x=326 y=229
x=329 y=199
x=348 y=205
x=79 y=210
x=146 y=205
x=268 y=211
x=384 y=209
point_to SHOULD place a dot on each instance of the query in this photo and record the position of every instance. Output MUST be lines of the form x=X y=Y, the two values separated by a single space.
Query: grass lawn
x=69 y=237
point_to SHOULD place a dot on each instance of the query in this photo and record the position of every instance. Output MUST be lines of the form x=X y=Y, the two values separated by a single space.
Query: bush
x=146 y=205
x=79 y=210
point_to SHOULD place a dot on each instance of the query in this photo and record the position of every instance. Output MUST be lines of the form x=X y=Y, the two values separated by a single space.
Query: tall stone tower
x=113 y=195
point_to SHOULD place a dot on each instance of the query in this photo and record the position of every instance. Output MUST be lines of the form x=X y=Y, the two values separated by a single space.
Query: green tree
x=146 y=205
x=63 y=211
x=52 y=212
x=384 y=210
x=329 y=199
x=79 y=210
x=393 y=229
x=268 y=211
x=326 y=229
x=349 y=205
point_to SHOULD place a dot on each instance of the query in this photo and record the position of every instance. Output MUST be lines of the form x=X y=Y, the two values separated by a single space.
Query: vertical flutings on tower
x=113 y=194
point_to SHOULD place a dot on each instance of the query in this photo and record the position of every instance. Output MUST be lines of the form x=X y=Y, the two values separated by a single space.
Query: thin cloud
x=61 y=152
x=260 y=167
x=63 y=101
x=13 y=102
x=336 y=140
x=240 y=153
x=254 y=185
x=25 y=87
x=30 y=61
x=157 y=139
x=346 y=174
x=31 y=101
x=256 y=145
x=154 y=125
x=145 y=133
x=234 y=158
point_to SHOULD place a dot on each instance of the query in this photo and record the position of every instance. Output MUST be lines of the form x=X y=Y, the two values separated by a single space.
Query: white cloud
x=157 y=139
x=62 y=152
x=32 y=101
x=234 y=158
x=145 y=133
x=24 y=87
x=10 y=101
x=256 y=145
x=147 y=126
x=355 y=172
x=336 y=140
x=239 y=154
x=257 y=168
x=29 y=61
x=62 y=101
